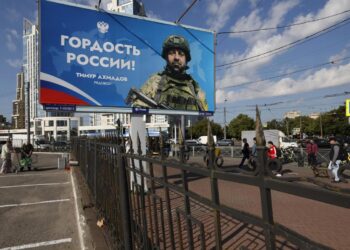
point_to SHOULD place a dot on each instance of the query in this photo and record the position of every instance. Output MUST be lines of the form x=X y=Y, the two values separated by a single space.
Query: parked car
x=60 y=145
x=225 y=142
x=321 y=143
x=191 y=143
x=42 y=145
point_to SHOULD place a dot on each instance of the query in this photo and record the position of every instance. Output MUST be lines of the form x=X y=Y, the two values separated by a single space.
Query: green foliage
x=240 y=123
x=333 y=122
x=201 y=128
x=274 y=124
x=3 y=123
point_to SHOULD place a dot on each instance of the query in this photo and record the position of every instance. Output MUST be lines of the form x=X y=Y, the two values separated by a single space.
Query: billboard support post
x=138 y=130
x=183 y=130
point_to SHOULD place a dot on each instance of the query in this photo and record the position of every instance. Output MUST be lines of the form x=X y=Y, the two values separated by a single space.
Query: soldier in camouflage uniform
x=173 y=88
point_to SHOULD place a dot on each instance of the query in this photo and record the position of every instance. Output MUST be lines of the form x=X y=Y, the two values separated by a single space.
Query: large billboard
x=100 y=59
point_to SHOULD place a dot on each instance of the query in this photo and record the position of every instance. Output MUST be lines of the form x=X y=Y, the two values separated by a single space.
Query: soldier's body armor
x=180 y=94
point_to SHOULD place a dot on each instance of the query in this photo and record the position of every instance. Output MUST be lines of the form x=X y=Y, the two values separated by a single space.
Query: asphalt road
x=37 y=208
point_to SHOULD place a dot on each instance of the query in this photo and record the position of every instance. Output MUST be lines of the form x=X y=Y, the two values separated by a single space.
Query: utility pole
x=28 y=114
x=321 y=128
x=225 y=120
x=301 y=135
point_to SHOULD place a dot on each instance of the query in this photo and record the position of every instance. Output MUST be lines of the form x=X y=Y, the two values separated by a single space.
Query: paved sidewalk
x=320 y=222
x=38 y=208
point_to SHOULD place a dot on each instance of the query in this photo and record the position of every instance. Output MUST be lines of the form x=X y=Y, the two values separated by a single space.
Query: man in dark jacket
x=334 y=158
x=245 y=151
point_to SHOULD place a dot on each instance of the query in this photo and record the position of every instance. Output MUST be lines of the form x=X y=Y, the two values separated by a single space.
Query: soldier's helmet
x=176 y=42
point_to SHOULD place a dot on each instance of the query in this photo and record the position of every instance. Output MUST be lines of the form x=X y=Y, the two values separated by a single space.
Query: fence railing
x=156 y=203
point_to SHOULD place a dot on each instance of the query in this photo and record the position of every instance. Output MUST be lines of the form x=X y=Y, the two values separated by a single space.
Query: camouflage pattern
x=178 y=42
x=172 y=89
x=180 y=94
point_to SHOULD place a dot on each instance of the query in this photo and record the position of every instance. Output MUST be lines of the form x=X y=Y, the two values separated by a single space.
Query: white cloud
x=153 y=15
x=220 y=12
x=340 y=55
x=323 y=78
x=11 y=38
x=260 y=43
x=15 y=63
x=12 y=14
x=91 y=3
x=253 y=21
x=254 y=3
x=14 y=33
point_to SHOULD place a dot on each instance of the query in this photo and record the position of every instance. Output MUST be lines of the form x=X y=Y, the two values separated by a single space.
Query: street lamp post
x=301 y=134
x=321 y=128
x=28 y=114
x=225 y=119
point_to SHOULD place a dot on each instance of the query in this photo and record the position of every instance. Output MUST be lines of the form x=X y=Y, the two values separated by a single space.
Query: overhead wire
x=290 y=59
x=186 y=11
x=292 y=44
x=287 y=61
x=283 y=26
x=262 y=105
x=288 y=73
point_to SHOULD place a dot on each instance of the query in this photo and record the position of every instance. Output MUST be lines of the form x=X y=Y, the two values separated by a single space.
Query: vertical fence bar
x=186 y=198
x=142 y=195
x=154 y=204
x=124 y=200
x=265 y=193
x=85 y=160
x=95 y=169
x=266 y=201
x=214 y=188
x=168 y=204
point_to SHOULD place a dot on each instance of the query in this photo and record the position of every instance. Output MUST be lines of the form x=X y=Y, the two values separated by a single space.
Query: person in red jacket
x=272 y=151
x=314 y=150
x=272 y=157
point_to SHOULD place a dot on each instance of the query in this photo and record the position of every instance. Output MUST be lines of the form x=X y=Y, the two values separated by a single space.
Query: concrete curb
x=83 y=229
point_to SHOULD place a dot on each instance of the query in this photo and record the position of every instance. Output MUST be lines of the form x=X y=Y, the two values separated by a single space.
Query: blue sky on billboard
x=304 y=90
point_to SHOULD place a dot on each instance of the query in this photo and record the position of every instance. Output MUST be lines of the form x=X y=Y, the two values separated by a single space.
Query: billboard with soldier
x=104 y=59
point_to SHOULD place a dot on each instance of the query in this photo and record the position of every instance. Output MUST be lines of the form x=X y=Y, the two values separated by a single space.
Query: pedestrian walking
x=254 y=151
x=314 y=152
x=272 y=161
x=6 y=151
x=254 y=155
x=334 y=157
x=272 y=151
x=309 y=152
x=245 y=152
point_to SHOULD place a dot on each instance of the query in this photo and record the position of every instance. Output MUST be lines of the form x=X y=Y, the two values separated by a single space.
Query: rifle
x=135 y=94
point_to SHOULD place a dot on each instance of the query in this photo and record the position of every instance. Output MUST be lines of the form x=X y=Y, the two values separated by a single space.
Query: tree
x=201 y=128
x=240 y=123
x=3 y=123
x=274 y=124
x=335 y=122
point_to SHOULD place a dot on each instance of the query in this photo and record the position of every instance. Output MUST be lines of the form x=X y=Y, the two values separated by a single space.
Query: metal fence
x=149 y=202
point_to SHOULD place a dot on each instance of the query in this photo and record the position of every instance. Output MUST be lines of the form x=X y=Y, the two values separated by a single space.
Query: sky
x=303 y=67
